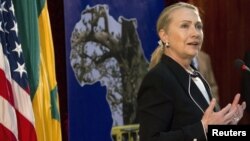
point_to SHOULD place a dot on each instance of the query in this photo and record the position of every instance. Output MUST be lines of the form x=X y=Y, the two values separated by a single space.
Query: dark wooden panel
x=227 y=37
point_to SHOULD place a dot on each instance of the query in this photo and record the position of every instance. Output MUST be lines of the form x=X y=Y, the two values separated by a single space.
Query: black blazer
x=167 y=111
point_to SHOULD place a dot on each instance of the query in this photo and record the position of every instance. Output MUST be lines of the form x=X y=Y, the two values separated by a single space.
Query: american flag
x=16 y=113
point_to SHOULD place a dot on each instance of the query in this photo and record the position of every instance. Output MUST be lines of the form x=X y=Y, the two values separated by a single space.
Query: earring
x=167 y=44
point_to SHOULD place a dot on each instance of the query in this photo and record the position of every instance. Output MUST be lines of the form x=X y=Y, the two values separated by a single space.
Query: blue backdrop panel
x=90 y=115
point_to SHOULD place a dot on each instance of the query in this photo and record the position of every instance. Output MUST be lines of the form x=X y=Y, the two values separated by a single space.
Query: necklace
x=192 y=72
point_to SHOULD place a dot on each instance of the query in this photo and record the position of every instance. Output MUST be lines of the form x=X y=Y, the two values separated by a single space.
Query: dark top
x=170 y=105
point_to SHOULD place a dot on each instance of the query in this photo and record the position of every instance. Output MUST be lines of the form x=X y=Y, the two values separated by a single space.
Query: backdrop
x=108 y=44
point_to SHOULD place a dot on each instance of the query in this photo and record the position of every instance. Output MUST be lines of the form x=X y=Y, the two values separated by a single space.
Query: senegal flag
x=36 y=39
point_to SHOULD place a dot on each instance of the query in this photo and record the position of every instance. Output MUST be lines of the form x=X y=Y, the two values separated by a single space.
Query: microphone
x=240 y=64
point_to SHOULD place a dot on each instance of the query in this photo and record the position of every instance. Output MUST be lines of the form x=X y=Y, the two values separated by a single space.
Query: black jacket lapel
x=183 y=78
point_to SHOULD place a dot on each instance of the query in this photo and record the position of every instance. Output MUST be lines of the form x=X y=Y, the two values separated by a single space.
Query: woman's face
x=184 y=34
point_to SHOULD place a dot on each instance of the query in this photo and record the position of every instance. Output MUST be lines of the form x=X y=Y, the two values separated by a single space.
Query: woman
x=174 y=101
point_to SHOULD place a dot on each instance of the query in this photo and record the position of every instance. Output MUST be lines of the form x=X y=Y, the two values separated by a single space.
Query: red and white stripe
x=16 y=113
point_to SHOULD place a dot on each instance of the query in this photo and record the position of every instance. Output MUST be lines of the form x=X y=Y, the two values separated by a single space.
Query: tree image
x=108 y=51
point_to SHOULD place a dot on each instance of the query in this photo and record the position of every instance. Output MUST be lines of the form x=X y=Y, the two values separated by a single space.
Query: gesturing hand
x=240 y=108
x=230 y=114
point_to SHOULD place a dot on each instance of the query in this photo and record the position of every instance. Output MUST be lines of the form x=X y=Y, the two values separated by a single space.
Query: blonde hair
x=163 y=23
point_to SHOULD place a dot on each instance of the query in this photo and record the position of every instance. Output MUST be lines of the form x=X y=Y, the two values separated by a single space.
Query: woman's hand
x=222 y=117
x=230 y=114
x=240 y=108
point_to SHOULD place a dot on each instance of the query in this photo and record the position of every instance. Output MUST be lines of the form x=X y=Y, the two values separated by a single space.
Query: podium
x=126 y=133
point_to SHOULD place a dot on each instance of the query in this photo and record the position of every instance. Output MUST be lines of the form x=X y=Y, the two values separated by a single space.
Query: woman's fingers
x=226 y=109
x=211 y=105
x=243 y=105
x=236 y=99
